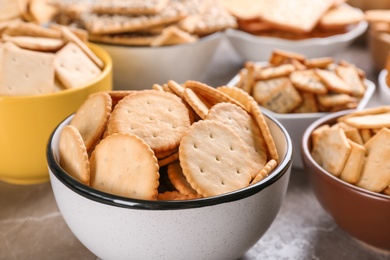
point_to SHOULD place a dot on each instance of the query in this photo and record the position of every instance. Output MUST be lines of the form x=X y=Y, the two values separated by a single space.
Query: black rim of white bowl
x=118 y=201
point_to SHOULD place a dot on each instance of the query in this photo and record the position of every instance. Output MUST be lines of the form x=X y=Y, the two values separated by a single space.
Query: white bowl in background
x=136 y=68
x=218 y=227
x=259 y=48
x=296 y=123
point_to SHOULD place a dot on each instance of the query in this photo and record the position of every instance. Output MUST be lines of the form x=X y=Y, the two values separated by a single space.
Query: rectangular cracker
x=297 y=16
x=31 y=29
x=25 y=72
x=274 y=72
x=309 y=103
x=376 y=175
x=341 y=16
x=369 y=121
x=308 y=81
x=9 y=10
x=110 y=24
x=333 y=82
x=332 y=150
x=137 y=7
x=263 y=89
x=354 y=164
x=73 y=67
x=351 y=76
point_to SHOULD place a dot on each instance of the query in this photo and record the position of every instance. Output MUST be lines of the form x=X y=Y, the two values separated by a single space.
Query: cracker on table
x=124 y=165
x=73 y=67
x=214 y=158
x=73 y=154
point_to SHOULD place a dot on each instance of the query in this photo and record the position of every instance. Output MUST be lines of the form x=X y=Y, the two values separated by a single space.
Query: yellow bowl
x=26 y=123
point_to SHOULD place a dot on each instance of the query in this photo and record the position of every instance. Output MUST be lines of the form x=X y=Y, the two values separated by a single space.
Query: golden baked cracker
x=246 y=127
x=82 y=34
x=332 y=99
x=386 y=191
x=109 y=24
x=366 y=111
x=345 y=63
x=254 y=25
x=166 y=88
x=298 y=65
x=366 y=134
x=177 y=88
x=41 y=11
x=377 y=15
x=9 y=10
x=197 y=104
x=340 y=17
x=244 y=9
x=297 y=16
x=118 y=95
x=316 y=134
x=157 y=87
x=35 y=43
x=268 y=168
x=284 y=100
x=25 y=72
x=321 y=62
x=206 y=92
x=167 y=159
x=91 y=118
x=179 y=181
x=71 y=37
x=274 y=72
x=124 y=39
x=214 y=158
x=137 y=7
x=124 y=165
x=333 y=82
x=31 y=29
x=376 y=175
x=279 y=57
x=73 y=67
x=369 y=121
x=73 y=154
x=259 y=118
x=331 y=151
x=174 y=195
x=172 y=35
x=308 y=104
x=350 y=75
x=354 y=164
x=352 y=133
x=263 y=89
x=308 y=81
x=239 y=95
x=247 y=84
x=159 y=118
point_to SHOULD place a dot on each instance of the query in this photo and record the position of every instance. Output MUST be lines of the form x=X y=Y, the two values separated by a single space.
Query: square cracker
x=73 y=67
x=25 y=72
x=354 y=164
x=296 y=16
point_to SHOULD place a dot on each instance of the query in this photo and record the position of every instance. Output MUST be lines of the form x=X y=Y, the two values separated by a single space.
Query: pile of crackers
x=36 y=60
x=171 y=142
x=298 y=19
x=356 y=148
x=145 y=23
x=291 y=83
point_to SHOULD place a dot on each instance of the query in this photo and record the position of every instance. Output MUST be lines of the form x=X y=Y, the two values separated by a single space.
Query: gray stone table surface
x=31 y=227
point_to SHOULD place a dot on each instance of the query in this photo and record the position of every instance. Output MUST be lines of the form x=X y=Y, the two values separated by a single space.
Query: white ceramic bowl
x=297 y=123
x=384 y=89
x=136 y=68
x=220 y=227
x=259 y=48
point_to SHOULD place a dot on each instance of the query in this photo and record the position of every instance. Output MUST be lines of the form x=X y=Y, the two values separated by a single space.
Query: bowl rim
x=306 y=153
x=99 y=51
x=356 y=30
x=213 y=36
x=113 y=200
x=362 y=104
x=382 y=80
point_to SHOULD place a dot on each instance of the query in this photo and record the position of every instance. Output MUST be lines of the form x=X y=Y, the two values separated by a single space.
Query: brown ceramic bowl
x=361 y=213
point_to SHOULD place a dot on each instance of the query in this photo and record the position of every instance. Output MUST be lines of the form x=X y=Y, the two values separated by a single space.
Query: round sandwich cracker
x=73 y=154
x=214 y=159
x=159 y=118
x=124 y=165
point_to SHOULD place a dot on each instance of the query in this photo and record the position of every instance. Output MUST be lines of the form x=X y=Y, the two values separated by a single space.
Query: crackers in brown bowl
x=171 y=142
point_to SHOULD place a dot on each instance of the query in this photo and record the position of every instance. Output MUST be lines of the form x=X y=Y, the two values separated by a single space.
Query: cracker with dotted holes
x=159 y=118
x=91 y=118
x=73 y=154
x=74 y=68
x=246 y=127
x=214 y=158
x=25 y=72
x=124 y=165
x=178 y=179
